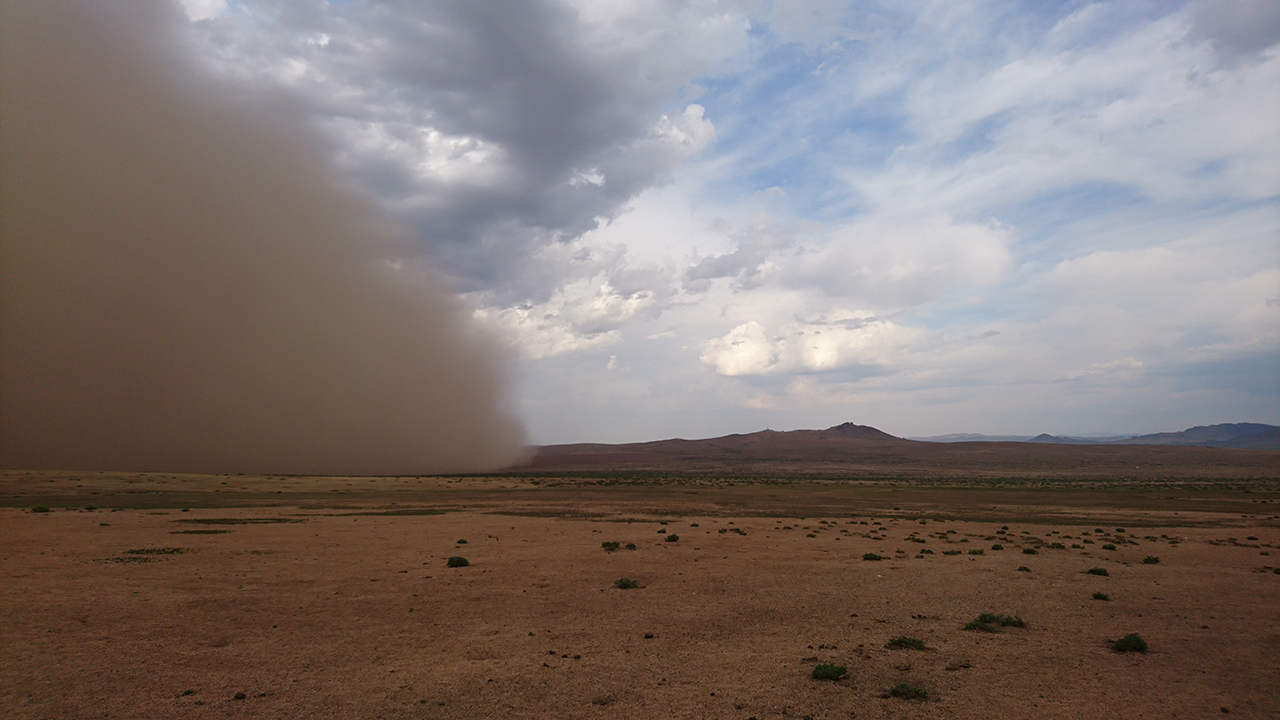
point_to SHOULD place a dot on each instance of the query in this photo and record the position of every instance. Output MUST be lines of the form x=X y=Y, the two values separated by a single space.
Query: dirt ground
x=290 y=607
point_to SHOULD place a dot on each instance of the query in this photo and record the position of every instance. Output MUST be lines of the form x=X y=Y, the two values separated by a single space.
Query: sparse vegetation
x=1132 y=642
x=195 y=532
x=1029 y=551
x=156 y=551
x=975 y=552
x=1097 y=571
x=625 y=584
x=462 y=542
x=871 y=556
x=1023 y=568
x=1101 y=596
x=457 y=561
x=1108 y=546
x=1151 y=560
x=991 y=622
x=610 y=546
x=631 y=546
x=908 y=643
x=830 y=672
x=672 y=538
x=39 y=509
x=239 y=521
x=997 y=546
x=908 y=691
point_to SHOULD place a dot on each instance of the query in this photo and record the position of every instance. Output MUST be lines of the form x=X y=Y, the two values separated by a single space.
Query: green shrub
x=1029 y=551
x=1151 y=560
x=980 y=626
x=1101 y=596
x=909 y=643
x=1108 y=546
x=1098 y=571
x=456 y=561
x=1001 y=620
x=40 y=508
x=908 y=691
x=625 y=584
x=1057 y=546
x=610 y=546
x=975 y=552
x=156 y=551
x=830 y=672
x=1077 y=546
x=1132 y=642
x=673 y=538
x=1023 y=568
x=631 y=546
x=871 y=556
x=997 y=546
x=950 y=552
x=462 y=542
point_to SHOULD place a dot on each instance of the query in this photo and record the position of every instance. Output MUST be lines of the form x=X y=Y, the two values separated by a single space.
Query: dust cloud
x=185 y=285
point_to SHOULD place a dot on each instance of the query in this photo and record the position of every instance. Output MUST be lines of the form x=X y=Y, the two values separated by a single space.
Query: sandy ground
x=357 y=615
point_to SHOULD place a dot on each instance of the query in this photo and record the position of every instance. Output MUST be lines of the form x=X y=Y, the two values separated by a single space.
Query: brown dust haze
x=185 y=286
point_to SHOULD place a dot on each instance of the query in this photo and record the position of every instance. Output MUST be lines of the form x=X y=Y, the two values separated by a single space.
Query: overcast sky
x=691 y=219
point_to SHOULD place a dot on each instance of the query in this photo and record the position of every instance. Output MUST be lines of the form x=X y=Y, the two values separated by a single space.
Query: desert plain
x=141 y=595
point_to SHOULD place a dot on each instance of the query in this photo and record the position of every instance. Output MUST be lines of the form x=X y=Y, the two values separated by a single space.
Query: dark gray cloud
x=1238 y=29
x=187 y=287
x=494 y=128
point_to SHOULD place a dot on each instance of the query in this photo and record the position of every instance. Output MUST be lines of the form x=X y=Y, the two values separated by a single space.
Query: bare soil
x=330 y=597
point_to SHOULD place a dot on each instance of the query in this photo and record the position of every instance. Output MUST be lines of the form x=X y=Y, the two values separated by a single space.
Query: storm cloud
x=188 y=287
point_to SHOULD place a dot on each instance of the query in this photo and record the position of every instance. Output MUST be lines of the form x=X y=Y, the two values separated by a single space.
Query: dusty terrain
x=330 y=597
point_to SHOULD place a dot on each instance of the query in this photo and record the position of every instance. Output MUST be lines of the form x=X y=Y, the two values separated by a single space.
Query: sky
x=687 y=219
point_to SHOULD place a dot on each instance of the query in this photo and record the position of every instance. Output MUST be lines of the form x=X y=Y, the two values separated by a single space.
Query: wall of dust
x=185 y=285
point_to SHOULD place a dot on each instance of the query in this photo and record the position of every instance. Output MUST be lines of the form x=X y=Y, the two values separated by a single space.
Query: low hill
x=850 y=450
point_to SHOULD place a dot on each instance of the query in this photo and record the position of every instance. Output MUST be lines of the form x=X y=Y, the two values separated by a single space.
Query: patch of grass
x=1023 y=568
x=625 y=584
x=1097 y=571
x=908 y=691
x=239 y=521
x=871 y=556
x=1002 y=620
x=908 y=643
x=991 y=622
x=457 y=561
x=1151 y=560
x=672 y=538
x=830 y=672
x=610 y=546
x=1108 y=546
x=1132 y=642
x=157 y=551
x=199 y=532
x=1101 y=596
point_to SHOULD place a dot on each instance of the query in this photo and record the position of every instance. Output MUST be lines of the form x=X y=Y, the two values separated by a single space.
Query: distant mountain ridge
x=1241 y=450
x=1248 y=436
